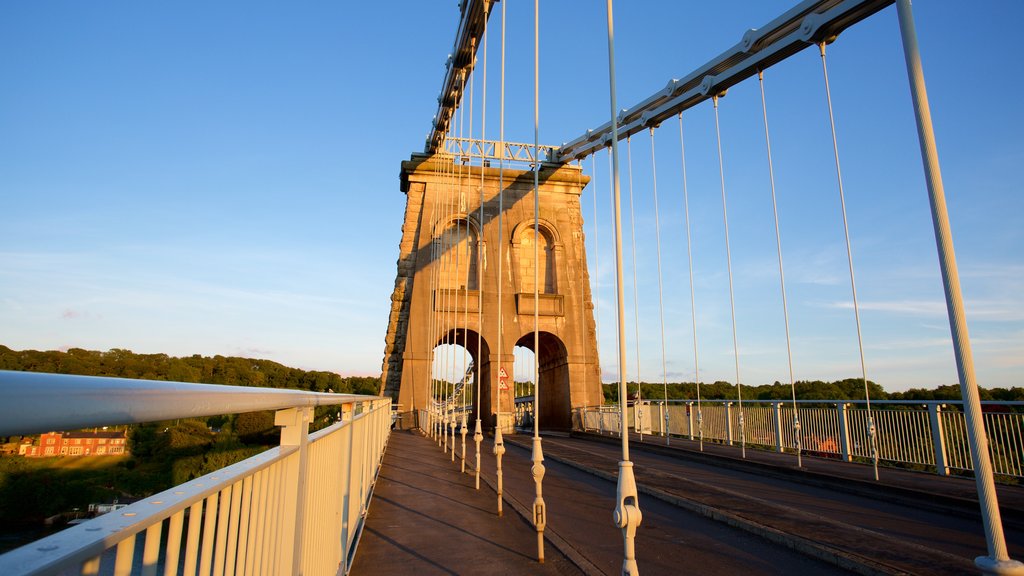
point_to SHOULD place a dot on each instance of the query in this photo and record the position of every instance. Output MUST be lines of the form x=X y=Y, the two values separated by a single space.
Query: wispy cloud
x=1001 y=310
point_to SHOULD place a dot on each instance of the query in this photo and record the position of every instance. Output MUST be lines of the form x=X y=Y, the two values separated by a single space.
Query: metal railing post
x=689 y=419
x=777 y=415
x=294 y=432
x=843 y=416
x=728 y=423
x=938 y=439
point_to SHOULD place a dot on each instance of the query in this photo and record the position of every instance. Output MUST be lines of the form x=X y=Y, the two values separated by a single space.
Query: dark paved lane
x=914 y=536
x=670 y=540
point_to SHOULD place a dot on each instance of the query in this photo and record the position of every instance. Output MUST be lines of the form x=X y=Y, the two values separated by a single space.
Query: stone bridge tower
x=443 y=198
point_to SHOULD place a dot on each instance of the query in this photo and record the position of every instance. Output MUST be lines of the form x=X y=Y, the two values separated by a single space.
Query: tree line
x=846 y=389
x=231 y=370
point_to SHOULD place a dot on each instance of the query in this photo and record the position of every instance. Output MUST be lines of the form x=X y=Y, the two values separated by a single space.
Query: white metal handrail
x=916 y=433
x=294 y=509
x=38 y=402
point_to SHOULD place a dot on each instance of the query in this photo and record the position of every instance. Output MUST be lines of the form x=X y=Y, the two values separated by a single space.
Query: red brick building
x=76 y=444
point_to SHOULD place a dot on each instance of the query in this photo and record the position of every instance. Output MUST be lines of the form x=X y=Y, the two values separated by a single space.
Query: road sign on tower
x=502 y=379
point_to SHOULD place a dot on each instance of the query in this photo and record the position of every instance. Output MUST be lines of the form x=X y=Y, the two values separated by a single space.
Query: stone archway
x=553 y=390
x=479 y=353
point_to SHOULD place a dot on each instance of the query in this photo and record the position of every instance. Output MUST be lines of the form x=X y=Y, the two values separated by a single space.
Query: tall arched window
x=545 y=248
x=458 y=256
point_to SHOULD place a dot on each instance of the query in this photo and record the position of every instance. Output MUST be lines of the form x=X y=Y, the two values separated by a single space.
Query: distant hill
x=230 y=370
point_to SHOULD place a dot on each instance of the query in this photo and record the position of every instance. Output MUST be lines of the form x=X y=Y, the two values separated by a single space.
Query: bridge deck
x=427 y=518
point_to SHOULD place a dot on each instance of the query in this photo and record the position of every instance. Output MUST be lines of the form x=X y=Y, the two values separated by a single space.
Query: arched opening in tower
x=554 y=404
x=524 y=368
x=460 y=359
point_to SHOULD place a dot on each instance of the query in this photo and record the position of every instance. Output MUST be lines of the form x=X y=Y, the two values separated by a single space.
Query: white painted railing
x=930 y=434
x=294 y=509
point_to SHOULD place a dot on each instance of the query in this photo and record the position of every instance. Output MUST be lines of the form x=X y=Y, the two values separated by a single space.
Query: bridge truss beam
x=469 y=149
x=804 y=25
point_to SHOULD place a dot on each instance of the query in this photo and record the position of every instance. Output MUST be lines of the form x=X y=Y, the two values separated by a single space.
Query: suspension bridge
x=448 y=471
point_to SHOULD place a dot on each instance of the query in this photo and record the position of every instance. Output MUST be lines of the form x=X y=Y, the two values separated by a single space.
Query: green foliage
x=192 y=467
x=255 y=427
x=208 y=370
x=846 y=389
x=142 y=441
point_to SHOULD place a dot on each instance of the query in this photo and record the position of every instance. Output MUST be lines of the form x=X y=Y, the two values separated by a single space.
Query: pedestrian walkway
x=426 y=518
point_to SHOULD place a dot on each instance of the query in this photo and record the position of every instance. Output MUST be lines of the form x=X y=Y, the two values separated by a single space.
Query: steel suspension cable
x=431 y=406
x=537 y=470
x=661 y=298
x=872 y=437
x=619 y=343
x=627 y=514
x=464 y=430
x=693 y=299
x=998 y=559
x=442 y=272
x=463 y=226
x=638 y=412
x=450 y=297
x=478 y=434
x=732 y=297
x=446 y=248
x=596 y=291
x=499 y=444
x=581 y=252
x=798 y=441
x=435 y=259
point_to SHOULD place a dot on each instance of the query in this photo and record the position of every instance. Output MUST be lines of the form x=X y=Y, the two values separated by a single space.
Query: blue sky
x=222 y=178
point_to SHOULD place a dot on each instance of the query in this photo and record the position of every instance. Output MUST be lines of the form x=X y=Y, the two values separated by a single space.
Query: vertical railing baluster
x=231 y=550
x=124 y=556
x=91 y=567
x=254 y=547
x=209 y=528
x=195 y=521
x=221 y=542
x=242 y=555
x=151 y=549
x=173 y=549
